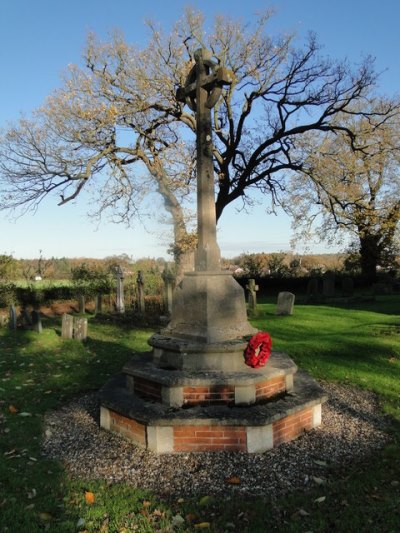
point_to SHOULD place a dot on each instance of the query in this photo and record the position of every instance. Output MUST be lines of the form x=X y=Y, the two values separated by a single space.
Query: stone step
x=182 y=388
x=254 y=428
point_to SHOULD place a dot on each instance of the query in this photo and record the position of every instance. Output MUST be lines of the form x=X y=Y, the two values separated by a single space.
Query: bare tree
x=353 y=188
x=116 y=127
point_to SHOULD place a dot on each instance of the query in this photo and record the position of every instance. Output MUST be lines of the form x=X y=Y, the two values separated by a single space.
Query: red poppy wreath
x=258 y=350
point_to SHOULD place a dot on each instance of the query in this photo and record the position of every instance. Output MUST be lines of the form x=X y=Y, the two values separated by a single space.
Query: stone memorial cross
x=201 y=92
x=252 y=288
x=120 y=305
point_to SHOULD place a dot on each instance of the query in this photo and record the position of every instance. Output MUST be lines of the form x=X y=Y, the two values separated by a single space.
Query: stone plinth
x=220 y=427
x=180 y=388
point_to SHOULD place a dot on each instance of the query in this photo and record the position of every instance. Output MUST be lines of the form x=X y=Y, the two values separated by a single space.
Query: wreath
x=258 y=350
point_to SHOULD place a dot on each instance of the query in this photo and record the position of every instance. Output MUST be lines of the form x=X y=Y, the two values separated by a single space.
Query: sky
x=40 y=38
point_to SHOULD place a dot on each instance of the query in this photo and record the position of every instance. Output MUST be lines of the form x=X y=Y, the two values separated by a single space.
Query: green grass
x=358 y=345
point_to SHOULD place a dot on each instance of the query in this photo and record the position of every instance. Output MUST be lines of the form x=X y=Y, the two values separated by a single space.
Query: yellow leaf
x=45 y=517
x=89 y=497
x=202 y=525
x=146 y=503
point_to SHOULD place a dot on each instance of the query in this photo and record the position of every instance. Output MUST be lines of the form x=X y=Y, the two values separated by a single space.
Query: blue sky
x=39 y=38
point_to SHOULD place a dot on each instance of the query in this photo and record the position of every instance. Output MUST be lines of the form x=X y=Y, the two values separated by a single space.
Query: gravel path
x=353 y=427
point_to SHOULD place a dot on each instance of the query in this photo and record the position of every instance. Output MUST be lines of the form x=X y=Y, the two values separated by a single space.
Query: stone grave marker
x=81 y=303
x=328 y=284
x=285 y=303
x=168 y=279
x=80 y=328
x=120 y=303
x=67 y=326
x=37 y=321
x=98 y=304
x=12 y=323
x=140 y=292
x=252 y=295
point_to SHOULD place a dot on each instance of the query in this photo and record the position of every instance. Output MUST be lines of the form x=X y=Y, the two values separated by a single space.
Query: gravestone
x=80 y=328
x=140 y=292
x=348 y=286
x=328 y=284
x=98 y=304
x=285 y=303
x=252 y=295
x=81 y=303
x=37 y=321
x=12 y=323
x=168 y=279
x=120 y=303
x=67 y=326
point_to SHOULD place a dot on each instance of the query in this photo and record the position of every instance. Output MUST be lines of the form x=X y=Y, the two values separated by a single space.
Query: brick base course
x=210 y=438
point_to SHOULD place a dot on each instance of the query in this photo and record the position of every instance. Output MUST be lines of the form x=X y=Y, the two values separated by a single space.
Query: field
x=357 y=344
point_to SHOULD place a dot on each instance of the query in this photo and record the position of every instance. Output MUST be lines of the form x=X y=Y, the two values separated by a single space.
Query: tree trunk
x=369 y=257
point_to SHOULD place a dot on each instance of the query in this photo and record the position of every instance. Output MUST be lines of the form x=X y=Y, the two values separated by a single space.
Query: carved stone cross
x=252 y=288
x=201 y=92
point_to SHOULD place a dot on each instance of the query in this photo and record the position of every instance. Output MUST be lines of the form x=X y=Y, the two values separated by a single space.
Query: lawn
x=357 y=344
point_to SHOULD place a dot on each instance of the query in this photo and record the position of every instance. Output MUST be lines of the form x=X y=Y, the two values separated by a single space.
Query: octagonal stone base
x=253 y=428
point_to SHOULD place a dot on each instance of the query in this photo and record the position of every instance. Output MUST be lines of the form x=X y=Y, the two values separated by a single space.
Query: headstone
x=37 y=321
x=12 y=323
x=328 y=284
x=140 y=292
x=168 y=279
x=81 y=303
x=80 y=328
x=348 y=287
x=120 y=304
x=252 y=295
x=67 y=326
x=312 y=289
x=285 y=303
x=98 y=303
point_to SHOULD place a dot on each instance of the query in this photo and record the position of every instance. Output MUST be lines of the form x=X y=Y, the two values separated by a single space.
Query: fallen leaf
x=146 y=503
x=205 y=500
x=25 y=414
x=45 y=517
x=12 y=409
x=202 y=525
x=318 y=480
x=89 y=497
x=320 y=500
x=320 y=463
x=302 y=512
x=233 y=480
x=177 y=520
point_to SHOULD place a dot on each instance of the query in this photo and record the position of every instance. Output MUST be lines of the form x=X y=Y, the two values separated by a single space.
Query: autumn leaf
x=202 y=525
x=12 y=409
x=45 y=517
x=146 y=503
x=89 y=497
x=233 y=480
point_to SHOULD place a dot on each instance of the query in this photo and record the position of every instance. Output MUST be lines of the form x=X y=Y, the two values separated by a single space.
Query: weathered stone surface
x=37 y=321
x=12 y=322
x=285 y=303
x=80 y=328
x=67 y=326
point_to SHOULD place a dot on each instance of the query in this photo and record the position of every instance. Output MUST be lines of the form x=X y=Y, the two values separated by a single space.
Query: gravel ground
x=353 y=428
